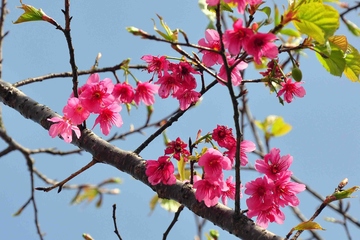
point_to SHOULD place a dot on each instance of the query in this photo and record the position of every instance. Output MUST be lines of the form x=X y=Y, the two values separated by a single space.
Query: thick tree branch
x=128 y=162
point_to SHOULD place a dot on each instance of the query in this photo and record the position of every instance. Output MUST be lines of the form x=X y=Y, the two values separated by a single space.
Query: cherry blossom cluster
x=272 y=191
x=267 y=194
x=211 y=186
x=245 y=40
x=103 y=98
x=175 y=79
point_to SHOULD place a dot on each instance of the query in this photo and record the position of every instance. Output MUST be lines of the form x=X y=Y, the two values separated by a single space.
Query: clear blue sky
x=325 y=140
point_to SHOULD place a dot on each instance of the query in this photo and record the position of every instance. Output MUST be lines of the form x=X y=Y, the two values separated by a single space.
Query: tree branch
x=128 y=162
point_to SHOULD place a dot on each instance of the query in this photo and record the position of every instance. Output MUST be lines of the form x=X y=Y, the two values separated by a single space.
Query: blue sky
x=325 y=140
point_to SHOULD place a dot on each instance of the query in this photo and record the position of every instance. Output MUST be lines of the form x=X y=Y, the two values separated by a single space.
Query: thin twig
x=67 y=34
x=30 y=163
x=114 y=220
x=60 y=184
x=176 y=217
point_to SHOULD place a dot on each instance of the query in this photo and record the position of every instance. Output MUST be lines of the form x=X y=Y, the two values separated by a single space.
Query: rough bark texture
x=132 y=164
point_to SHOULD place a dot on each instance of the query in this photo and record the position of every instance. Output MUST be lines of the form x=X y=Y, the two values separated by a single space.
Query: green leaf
x=181 y=168
x=266 y=10
x=212 y=235
x=33 y=14
x=308 y=225
x=334 y=61
x=88 y=193
x=168 y=34
x=273 y=126
x=290 y=32
x=345 y=193
x=169 y=205
x=280 y=127
x=353 y=28
x=352 y=68
x=277 y=18
x=153 y=202
x=211 y=15
x=340 y=41
x=317 y=20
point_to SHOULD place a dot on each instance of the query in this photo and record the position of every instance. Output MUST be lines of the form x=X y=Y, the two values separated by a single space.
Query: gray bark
x=222 y=216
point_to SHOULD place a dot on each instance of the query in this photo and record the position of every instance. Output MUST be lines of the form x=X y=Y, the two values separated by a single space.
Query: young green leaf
x=352 y=67
x=353 y=28
x=308 y=225
x=334 y=62
x=33 y=14
x=317 y=20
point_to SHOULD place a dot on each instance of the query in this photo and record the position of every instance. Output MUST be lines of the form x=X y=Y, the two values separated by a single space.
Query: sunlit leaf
x=317 y=20
x=334 y=62
x=345 y=193
x=309 y=225
x=290 y=32
x=266 y=10
x=168 y=34
x=153 y=202
x=352 y=68
x=169 y=205
x=33 y=14
x=212 y=235
x=273 y=126
x=181 y=168
x=353 y=28
x=280 y=127
x=340 y=41
x=277 y=18
x=211 y=15
x=260 y=125
x=87 y=193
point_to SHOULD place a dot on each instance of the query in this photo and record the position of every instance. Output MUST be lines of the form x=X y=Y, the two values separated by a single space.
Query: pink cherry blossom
x=212 y=2
x=224 y=137
x=187 y=97
x=260 y=189
x=230 y=192
x=235 y=73
x=273 y=164
x=168 y=85
x=291 y=89
x=156 y=64
x=234 y=39
x=266 y=212
x=214 y=162
x=185 y=73
x=75 y=111
x=145 y=92
x=123 y=92
x=109 y=116
x=161 y=170
x=261 y=45
x=209 y=190
x=245 y=147
x=241 y=4
x=211 y=40
x=285 y=191
x=98 y=94
x=178 y=149
x=63 y=127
